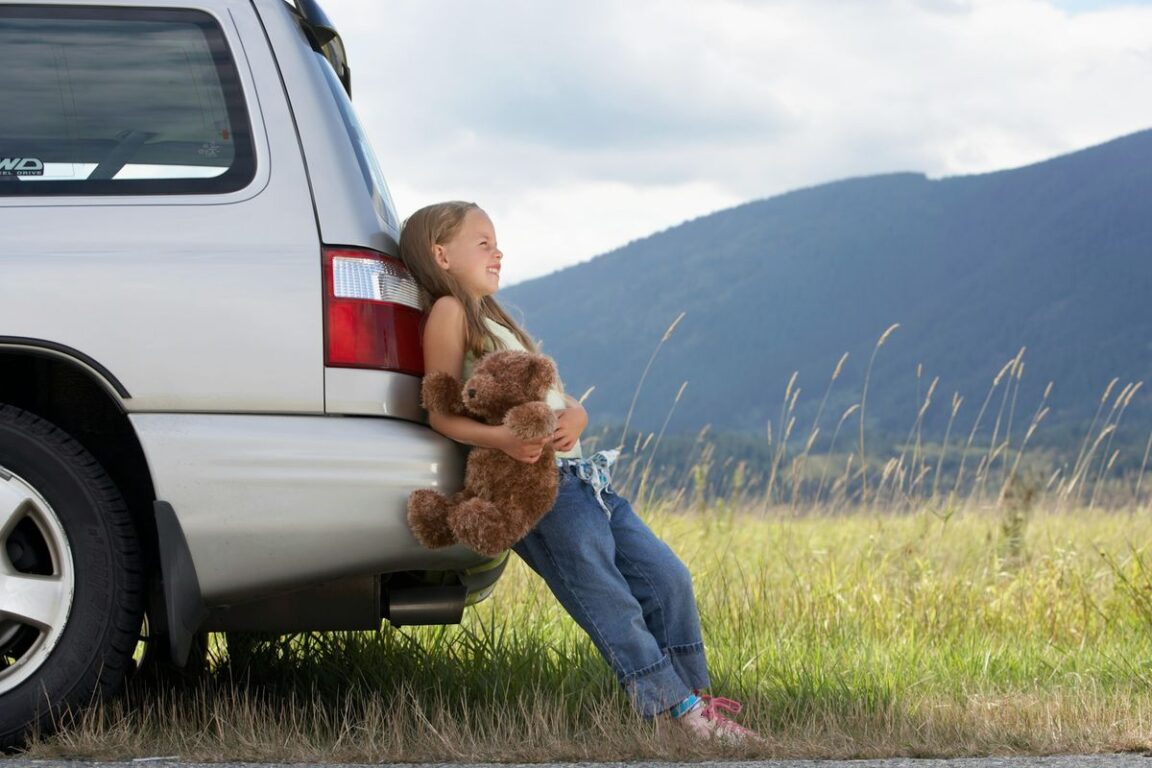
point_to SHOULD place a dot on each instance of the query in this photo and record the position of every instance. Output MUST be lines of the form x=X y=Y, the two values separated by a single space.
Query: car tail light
x=371 y=311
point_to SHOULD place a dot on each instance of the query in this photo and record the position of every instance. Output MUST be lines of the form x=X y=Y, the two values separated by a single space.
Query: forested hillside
x=1055 y=258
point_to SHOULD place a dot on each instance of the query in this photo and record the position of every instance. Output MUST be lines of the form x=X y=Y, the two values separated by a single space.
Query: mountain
x=1054 y=257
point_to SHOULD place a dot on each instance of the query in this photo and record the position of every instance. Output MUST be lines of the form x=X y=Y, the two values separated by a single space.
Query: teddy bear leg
x=428 y=515
x=483 y=527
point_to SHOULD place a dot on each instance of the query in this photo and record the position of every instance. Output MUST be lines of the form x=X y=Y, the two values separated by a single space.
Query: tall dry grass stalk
x=863 y=402
x=644 y=375
x=644 y=491
x=812 y=471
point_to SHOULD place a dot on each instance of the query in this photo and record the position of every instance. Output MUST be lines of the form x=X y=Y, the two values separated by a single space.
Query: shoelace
x=714 y=703
x=713 y=711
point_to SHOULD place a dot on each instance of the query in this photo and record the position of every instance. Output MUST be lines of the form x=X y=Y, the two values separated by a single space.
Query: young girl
x=623 y=585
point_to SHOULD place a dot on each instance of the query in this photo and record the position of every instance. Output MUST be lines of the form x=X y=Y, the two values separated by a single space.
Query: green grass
x=849 y=635
x=970 y=594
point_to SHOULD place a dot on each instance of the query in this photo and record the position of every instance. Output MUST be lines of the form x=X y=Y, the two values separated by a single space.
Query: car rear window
x=119 y=101
x=365 y=157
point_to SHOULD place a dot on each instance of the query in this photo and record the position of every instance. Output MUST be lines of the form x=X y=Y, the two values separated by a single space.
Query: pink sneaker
x=707 y=721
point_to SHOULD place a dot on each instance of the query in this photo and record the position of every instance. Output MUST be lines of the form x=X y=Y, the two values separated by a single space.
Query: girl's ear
x=439 y=254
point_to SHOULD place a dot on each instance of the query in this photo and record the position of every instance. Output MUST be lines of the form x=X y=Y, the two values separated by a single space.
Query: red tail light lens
x=372 y=313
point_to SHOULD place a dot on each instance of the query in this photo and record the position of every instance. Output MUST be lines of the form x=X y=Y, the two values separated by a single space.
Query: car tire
x=71 y=588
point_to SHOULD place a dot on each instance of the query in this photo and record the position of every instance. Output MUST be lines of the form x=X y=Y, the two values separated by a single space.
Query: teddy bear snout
x=471 y=392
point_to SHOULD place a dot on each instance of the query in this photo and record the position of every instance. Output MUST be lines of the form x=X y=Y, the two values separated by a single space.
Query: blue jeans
x=626 y=588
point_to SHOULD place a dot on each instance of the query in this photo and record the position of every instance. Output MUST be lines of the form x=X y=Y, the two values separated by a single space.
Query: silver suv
x=209 y=356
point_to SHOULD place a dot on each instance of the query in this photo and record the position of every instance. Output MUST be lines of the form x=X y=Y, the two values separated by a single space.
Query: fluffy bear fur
x=502 y=498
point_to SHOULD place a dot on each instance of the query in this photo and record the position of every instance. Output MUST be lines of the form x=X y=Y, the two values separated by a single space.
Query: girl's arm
x=570 y=423
x=444 y=351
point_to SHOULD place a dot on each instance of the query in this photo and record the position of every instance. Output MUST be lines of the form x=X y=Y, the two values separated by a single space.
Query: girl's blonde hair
x=437 y=225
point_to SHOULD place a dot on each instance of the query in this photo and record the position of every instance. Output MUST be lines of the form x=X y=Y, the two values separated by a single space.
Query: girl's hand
x=527 y=451
x=570 y=422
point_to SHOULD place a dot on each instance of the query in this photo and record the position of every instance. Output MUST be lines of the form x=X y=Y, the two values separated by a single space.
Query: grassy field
x=991 y=630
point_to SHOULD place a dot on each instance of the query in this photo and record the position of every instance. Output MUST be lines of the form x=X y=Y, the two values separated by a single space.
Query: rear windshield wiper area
x=323 y=38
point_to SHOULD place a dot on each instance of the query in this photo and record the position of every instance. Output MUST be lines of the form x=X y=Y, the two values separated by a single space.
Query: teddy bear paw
x=531 y=421
x=428 y=513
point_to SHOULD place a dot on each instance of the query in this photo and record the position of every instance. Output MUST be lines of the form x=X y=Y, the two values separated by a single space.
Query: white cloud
x=583 y=125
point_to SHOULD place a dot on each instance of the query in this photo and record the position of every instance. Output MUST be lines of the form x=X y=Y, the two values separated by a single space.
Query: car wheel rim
x=37 y=580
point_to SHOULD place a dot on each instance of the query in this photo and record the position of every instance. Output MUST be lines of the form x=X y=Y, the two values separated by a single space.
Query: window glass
x=369 y=167
x=119 y=101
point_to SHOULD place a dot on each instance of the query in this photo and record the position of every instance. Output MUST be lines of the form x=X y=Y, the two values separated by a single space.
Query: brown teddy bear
x=502 y=498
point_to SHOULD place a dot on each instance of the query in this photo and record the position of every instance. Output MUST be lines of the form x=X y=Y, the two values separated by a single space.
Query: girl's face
x=472 y=256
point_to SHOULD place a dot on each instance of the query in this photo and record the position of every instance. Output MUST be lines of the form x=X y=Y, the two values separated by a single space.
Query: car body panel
x=373 y=393
x=268 y=503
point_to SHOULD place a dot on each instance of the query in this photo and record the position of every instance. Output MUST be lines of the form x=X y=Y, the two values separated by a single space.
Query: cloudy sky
x=583 y=124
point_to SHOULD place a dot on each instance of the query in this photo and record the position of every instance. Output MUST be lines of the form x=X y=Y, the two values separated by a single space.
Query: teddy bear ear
x=440 y=393
x=542 y=372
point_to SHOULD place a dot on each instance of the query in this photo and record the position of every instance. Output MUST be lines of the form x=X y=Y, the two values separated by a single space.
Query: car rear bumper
x=270 y=503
